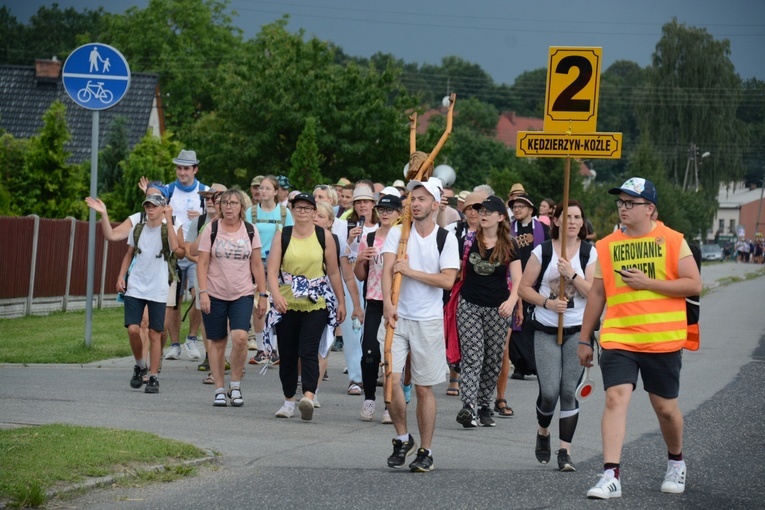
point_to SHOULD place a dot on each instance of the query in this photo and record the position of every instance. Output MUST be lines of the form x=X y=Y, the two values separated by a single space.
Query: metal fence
x=43 y=265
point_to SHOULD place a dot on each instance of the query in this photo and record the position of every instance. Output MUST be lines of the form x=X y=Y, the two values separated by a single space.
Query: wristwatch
x=263 y=294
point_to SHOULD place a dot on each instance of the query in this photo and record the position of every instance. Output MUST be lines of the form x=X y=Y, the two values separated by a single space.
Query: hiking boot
x=674 y=480
x=368 y=410
x=423 y=463
x=543 y=448
x=401 y=449
x=607 y=487
x=174 y=352
x=564 y=461
x=466 y=417
x=484 y=417
x=153 y=385
x=192 y=349
x=305 y=406
x=138 y=374
x=235 y=395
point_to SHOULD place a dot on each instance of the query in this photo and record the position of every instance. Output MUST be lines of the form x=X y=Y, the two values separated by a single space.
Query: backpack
x=214 y=233
x=287 y=237
x=282 y=221
x=547 y=253
x=166 y=252
x=202 y=187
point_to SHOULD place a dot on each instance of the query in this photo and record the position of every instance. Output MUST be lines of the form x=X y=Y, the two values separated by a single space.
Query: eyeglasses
x=228 y=203
x=385 y=210
x=485 y=212
x=324 y=187
x=211 y=198
x=629 y=204
x=303 y=208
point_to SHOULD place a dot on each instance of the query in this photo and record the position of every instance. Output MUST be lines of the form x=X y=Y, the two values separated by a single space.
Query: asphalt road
x=338 y=461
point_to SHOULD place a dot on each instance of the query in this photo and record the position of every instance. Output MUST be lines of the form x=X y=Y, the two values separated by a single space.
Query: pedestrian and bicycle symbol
x=96 y=76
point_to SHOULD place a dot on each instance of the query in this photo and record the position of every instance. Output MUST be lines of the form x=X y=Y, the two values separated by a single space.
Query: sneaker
x=423 y=463
x=325 y=377
x=368 y=410
x=174 y=352
x=607 y=487
x=564 y=461
x=401 y=450
x=407 y=392
x=274 y=358
x=386 y=419
x=252 y=345
x=235 y=395
x=205 y=365
x=306 y=409
x=484 y=417
x=138 y=374
x=192 y=350
x=259 y=358
x=674 y=480
x=542 y=450
x=153 y=386
x=285 y=411
x=467 y=418
x=220 y=400
x=316 y=403
x=337 y=346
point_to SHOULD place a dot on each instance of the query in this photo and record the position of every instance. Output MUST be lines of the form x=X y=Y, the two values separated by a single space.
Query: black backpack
x=547 y=253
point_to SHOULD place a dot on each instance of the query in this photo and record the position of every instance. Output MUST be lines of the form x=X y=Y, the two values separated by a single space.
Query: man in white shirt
x=418 y=321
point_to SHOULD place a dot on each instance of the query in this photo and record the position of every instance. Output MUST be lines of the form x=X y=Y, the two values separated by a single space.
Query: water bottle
x=356 y=325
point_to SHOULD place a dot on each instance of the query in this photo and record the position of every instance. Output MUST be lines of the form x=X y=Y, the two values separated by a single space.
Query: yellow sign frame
x=573 y=86
x=538 y=144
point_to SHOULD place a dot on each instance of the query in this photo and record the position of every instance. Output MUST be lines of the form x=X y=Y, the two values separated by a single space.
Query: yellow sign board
x=573 y=84
x=538 y=144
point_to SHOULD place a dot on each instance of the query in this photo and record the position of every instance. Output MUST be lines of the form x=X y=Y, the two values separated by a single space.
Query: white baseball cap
x=432 y=185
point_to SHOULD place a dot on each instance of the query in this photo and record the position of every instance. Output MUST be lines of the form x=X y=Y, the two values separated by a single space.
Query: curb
x=210 y=458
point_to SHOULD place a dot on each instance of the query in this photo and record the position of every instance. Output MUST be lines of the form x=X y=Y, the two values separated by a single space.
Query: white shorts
x=425 y=341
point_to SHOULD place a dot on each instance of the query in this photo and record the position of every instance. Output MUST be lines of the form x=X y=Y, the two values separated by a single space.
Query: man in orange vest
x=645 y=271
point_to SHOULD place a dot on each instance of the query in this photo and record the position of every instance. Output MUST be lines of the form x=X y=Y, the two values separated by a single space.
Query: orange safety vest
x=642 y=320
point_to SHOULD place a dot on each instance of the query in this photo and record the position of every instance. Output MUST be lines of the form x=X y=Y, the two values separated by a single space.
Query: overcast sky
x=505 y=37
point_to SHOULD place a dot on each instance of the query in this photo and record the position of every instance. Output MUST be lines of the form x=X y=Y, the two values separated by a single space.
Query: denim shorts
x=236 y=314
x=134 y=313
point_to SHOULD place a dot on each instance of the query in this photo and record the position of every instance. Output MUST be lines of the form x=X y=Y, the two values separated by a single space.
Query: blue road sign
x=96 y=76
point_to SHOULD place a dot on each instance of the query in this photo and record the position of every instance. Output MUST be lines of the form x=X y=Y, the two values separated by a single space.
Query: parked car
x=711 y=252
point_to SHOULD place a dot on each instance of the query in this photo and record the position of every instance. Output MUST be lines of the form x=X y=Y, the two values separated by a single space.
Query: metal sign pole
x=92 y=231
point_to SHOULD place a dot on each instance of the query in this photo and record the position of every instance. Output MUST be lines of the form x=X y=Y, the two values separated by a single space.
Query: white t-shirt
x=352 y=250
x=183 y=202
x=148 y=278
x=551 y=285
x=418 y=301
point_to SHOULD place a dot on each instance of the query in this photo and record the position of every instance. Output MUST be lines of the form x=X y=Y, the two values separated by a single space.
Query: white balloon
x=406 y=170
x=446 y=101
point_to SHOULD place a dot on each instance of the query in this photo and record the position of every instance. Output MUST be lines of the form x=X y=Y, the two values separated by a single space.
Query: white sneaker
x=674 y=480
x=316 y=402
x=368 y=410
x=306 y=409
x=607 y=487
x=192 y=351
x=252 y=345
x=174 y=352
x=386 y=418
x=286 y=411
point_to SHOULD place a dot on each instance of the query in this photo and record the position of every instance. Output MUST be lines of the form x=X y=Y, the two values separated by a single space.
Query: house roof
x=734 y=198
x=24 y=99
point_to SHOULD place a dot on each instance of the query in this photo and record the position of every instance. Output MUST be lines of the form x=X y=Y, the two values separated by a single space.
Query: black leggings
x=299 y=335
x=370 y=347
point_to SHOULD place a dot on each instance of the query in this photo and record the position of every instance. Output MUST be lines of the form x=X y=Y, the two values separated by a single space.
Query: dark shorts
x=134 y=308
x=236 y=314
x=660 y=372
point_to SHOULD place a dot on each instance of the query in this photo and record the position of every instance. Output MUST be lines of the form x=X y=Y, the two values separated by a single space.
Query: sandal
x=354 y=389
x=208 y=380
x=220 y=400
x=453 y=392
x=235 y=394
x=503 y=411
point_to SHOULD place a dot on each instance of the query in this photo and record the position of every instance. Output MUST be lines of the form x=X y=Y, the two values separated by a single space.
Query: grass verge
x=60 y=338
x=29 y=469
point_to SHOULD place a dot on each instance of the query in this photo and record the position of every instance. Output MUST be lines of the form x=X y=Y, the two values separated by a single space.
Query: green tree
x=11 y=35
x=185 y=42
x=305 y=171
x=751 y=111
x=528 y=93
x=112 y=155
x=46 y=184
x=12 y=152
x=691 y=97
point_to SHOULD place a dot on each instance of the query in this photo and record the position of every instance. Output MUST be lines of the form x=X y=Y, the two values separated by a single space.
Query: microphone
x=362 y=220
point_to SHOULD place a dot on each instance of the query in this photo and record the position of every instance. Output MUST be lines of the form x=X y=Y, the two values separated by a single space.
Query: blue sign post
x=96 y=77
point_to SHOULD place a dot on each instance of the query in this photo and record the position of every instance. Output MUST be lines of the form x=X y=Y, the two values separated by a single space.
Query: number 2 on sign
x=573 y=79
x=565 y=102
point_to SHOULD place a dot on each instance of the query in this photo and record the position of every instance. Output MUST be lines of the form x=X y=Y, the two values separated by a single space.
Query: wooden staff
x=419 y=171
x=562 y=233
